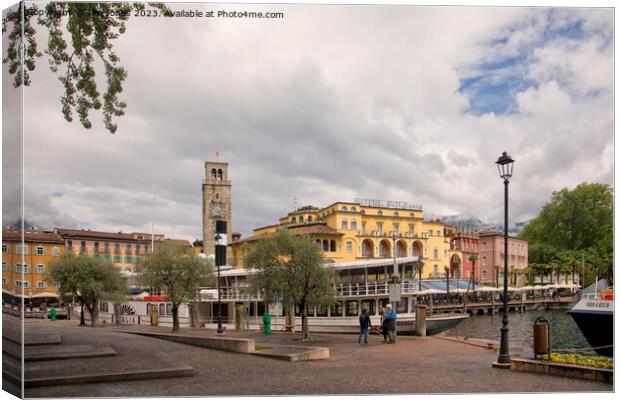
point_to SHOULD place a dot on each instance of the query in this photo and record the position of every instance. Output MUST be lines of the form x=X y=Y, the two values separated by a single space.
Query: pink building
x=491 y=253
x=468 y=244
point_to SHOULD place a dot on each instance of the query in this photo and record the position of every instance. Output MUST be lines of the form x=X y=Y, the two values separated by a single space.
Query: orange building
x=24 y=263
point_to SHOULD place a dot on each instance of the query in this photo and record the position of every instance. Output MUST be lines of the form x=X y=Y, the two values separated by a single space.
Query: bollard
x=52 y=314
x=420 y=320
x=542 y=337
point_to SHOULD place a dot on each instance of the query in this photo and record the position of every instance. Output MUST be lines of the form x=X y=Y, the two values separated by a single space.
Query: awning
x=429 y=291
x=44 y=295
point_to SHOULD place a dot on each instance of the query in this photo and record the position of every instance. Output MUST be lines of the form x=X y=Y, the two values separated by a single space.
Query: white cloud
x=330 y=103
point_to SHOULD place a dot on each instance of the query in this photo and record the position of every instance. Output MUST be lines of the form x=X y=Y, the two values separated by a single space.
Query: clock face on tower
x=217 y=211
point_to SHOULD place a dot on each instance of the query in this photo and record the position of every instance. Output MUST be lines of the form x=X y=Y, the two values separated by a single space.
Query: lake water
x=565 y=333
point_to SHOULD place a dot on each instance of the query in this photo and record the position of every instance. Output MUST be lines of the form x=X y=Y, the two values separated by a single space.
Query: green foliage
x=575 y=226
x=91 y=29
x=88 y=278
x=291 y=267
x=177 y=271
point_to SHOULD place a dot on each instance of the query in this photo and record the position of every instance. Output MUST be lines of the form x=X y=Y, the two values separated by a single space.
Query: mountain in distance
x=466 y=223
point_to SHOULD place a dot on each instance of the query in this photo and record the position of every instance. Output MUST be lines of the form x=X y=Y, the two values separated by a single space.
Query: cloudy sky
x=329 y=103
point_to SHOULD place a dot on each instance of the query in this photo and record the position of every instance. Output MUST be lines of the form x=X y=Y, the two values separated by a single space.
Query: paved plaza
x=413 y=365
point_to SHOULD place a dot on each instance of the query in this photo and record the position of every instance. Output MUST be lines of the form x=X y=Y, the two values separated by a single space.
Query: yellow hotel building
x=24 y=264
x=365 y=230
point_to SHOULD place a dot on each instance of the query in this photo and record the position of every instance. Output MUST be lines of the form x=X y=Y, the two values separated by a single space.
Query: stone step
x=125 y=366
x=31 y=339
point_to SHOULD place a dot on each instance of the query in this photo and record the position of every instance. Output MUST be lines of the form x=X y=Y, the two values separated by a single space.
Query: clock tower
x=216 y=203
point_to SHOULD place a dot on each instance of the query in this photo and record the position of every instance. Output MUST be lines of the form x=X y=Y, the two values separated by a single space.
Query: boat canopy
x=375 y=262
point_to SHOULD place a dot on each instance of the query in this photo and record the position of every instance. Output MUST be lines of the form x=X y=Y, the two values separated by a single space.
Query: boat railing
x=242 y=293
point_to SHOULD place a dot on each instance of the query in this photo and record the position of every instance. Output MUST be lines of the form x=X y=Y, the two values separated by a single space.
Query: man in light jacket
x=391 y=323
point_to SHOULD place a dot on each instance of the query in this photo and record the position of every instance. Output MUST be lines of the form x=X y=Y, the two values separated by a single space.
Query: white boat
x=357 y=288
x=594 y=314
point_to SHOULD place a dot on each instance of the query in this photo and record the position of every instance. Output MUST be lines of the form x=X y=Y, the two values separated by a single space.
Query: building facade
x=216 y=203
x=365 y=229
x=467 y=244
x=491 y=254
x=24 y=264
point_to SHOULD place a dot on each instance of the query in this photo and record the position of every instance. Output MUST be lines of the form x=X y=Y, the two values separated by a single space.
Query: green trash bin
x=267 y=323
x=52 y=314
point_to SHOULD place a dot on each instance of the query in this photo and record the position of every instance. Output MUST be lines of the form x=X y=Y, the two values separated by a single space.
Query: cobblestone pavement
x=411 y=366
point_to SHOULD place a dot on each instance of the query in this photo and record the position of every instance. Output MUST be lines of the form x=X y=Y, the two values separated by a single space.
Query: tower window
x=220 y=174
x=213 y=173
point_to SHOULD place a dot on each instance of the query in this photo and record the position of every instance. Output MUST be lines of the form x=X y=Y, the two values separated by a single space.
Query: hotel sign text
x=387 y=204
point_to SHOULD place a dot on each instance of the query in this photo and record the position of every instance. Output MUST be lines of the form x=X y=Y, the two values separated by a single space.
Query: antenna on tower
x=217 y=156
x=294 y=203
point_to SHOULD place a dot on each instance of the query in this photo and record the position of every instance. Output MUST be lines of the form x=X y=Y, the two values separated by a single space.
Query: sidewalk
x=413 y=365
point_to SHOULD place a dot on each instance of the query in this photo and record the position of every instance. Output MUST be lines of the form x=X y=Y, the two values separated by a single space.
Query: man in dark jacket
x=364 y=326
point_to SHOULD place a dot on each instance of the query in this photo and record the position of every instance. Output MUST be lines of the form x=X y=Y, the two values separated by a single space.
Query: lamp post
x=504 y=167
x=220 y=259
x=395 y=270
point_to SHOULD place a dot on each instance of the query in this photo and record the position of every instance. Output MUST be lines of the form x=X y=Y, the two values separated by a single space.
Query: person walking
x=384 y=324
x=364 y=326
x=391 y=324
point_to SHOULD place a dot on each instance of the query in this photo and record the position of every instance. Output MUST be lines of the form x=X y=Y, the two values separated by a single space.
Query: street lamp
x=504 y=167
x=395 y=270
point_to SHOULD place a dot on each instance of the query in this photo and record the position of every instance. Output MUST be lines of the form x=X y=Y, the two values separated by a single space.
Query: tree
x=573 y=220
x=291 y=266
x=177 y=272
x=89 y=279
x=92 y=28
x=496 y=275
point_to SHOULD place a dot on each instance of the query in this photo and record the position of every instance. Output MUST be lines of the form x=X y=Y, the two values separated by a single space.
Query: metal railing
x=241 y=293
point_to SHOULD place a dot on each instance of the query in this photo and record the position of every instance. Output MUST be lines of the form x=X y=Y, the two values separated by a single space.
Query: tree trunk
x=117 y=313
x=93 y=311
x=82 y=322
x=289 y=318
x=175 y=317
x=305 y=331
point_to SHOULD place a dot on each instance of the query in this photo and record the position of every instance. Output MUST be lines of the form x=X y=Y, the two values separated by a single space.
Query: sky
x=326 y=104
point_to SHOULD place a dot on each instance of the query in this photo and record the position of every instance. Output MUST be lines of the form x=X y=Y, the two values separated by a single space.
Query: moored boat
x=594 y=315
x=359 y=286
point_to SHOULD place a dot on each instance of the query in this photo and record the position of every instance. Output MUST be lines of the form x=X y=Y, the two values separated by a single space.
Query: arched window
x=220 y=174
x=411 y=215
x=353 y=209
x=213 y=173
x=309 y=218
x=332 y=245
x=293 y=220
x=396 y=213
x=353 y=224
x=318 y=242
x=379 y=212
x=162 y=309
x=325 y=245
x=343 y=224
x=344 y=208
x=301 y=219
x=169 y=309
